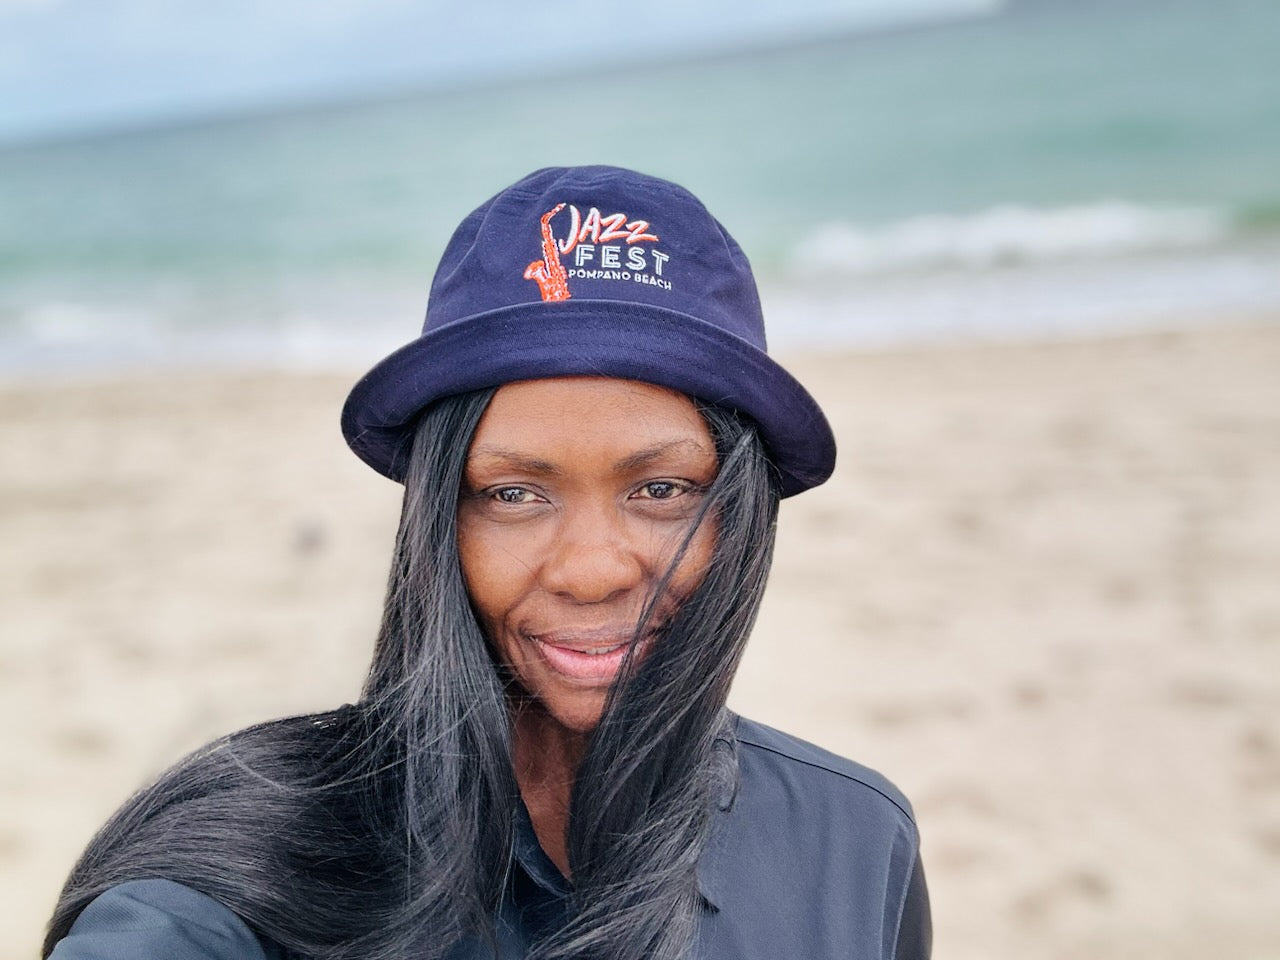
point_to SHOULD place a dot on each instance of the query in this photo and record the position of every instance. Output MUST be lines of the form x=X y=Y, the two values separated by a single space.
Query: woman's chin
x=578 y=717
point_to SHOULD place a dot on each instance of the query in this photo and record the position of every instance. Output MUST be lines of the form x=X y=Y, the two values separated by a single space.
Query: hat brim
x=611 y=338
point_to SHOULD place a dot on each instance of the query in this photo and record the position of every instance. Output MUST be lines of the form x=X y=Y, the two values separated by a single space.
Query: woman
x=593 y=443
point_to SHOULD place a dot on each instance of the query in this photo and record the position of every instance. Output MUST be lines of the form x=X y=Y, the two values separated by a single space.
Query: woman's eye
x=660 y=490
x=513 y=495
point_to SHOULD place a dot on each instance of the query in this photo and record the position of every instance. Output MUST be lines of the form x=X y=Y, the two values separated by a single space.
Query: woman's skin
x=578 y=492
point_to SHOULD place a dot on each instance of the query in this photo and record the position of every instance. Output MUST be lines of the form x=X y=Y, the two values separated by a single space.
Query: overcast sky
x=67 y=65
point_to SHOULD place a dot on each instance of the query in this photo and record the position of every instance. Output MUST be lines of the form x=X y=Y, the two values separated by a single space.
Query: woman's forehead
x=560 y=414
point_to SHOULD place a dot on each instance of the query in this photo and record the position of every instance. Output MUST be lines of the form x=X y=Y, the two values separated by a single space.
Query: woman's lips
x=592 y=659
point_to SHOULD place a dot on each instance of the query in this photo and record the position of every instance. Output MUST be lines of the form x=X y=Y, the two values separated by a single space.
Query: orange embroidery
x=601 y=229
x=551 y=278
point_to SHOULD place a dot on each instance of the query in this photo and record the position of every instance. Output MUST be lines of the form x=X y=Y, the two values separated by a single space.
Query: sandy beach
x=1042 y=594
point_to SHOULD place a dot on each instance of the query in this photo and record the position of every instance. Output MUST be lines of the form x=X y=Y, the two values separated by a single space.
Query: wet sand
x=1042 y=593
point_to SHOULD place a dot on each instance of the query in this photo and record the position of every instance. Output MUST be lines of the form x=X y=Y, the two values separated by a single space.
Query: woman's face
x=578 y=492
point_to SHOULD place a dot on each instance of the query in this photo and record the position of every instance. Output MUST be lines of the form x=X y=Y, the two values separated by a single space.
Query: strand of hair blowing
x=379 y=831
x=653 y=769
x=442 y=702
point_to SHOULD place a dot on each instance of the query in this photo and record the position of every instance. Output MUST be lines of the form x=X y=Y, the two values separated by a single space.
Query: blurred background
x=1026 y=252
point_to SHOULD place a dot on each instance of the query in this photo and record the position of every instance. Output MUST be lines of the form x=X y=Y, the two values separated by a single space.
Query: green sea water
x=1074 y=149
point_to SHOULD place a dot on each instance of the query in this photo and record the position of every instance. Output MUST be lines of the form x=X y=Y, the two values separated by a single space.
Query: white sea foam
x=1065 y=298
x=1005 y=235
x=76 y=337
x=65 y=322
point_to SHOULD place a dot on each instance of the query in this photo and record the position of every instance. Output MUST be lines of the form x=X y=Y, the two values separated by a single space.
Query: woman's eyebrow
x=646 y=456
x=641 y=458
x=511 y=458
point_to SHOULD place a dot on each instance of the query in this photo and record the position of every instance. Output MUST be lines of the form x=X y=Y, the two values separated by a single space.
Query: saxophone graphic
x=551 y=278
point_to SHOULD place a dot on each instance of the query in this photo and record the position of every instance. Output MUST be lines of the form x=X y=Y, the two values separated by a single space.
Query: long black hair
x=384 y=829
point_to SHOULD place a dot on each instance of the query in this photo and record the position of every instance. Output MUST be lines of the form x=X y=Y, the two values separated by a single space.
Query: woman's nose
x=592 y=560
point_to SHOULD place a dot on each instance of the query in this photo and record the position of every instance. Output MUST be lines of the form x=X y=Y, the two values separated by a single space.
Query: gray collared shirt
x=814 y=856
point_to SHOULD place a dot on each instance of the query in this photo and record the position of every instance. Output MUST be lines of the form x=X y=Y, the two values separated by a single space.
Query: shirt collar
x=533 y=859
x=712 y=865
x=542 y=871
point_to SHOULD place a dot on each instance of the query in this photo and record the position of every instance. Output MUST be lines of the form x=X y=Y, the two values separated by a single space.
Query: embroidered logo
x=552 y=280
x=597 y=244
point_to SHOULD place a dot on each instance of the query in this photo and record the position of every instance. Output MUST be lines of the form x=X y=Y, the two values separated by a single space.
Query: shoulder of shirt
x=154 y=917
x=757 y=736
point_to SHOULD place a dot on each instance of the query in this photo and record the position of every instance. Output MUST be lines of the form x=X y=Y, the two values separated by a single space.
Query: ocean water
x=1063 y=167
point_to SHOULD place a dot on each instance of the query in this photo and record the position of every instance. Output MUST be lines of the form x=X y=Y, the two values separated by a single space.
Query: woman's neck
x=547 y=756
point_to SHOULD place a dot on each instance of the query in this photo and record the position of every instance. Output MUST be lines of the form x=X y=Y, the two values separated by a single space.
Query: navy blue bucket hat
x=592 y=271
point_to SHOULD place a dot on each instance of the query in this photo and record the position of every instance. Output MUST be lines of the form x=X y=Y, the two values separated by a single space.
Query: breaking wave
x=1004 y=235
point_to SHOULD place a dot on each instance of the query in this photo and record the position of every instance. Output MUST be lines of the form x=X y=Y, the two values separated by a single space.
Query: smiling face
x=577 y=494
